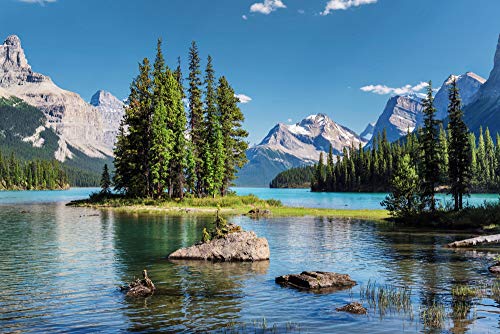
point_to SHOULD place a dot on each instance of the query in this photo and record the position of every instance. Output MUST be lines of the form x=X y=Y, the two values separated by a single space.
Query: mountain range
x=289 y=146
x=84 y=132
x=40 y=119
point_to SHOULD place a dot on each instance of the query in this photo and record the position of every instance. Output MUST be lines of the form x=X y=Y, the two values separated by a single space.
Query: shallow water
x=61 y=267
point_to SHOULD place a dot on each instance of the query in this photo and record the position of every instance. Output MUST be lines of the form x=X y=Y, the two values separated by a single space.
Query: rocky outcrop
x=235 y=247
x=77 y=123
x=317 y=280
x=295 y=145
x=354 y=308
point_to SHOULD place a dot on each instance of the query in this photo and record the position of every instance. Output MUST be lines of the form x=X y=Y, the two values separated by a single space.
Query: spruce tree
x=105 y=181
x=430 y=156
x=177 y=122
x=161 y=134
x=212 y=134
x=459 y=168
x=196 y=121
x=404 y=199
x=234 y=144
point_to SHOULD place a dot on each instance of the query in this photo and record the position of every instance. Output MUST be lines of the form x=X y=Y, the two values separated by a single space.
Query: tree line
x=451 y=160
x=162 y=150
x=16 y=174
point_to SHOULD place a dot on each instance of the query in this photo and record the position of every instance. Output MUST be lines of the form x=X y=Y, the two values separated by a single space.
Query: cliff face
x=77 y=123
x=401 y=114
x=112 y=111
x=484 y=111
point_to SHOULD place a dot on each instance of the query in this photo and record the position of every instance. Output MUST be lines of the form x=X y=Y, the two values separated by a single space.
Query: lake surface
x=61 y=268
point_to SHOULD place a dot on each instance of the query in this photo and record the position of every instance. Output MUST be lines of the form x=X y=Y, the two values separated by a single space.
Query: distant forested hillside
x=299 y=177
x=23 y=131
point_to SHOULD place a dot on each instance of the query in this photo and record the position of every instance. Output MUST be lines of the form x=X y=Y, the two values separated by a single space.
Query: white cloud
x=290 y=120
x=301 y=11
x=244 y=99
x=333 y=5
x=244 y=17
x=405 y=90
x=267 y=7
x=40 y=2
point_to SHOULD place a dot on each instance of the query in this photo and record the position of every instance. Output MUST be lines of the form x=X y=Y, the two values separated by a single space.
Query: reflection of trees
x=190 y=295
x=418 y=258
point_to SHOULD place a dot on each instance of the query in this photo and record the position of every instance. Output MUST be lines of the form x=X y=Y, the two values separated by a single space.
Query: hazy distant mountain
x=288 y=146
x=111 y=110
x=468 y=84
x=79 y=125
x=367 y=133
x=485 y=109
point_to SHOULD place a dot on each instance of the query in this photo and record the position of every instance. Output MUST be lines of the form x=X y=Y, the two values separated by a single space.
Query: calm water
x=61 y=267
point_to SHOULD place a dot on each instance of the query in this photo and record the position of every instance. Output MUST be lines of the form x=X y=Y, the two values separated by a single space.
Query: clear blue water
x=306 y=198
x=61 y=267
x=289 y=197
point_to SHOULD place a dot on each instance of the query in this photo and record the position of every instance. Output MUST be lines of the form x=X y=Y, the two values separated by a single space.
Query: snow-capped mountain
x=288 y=146
x=468 y=84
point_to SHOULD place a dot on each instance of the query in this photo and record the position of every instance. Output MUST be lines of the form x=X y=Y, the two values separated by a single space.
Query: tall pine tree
x=459 y=163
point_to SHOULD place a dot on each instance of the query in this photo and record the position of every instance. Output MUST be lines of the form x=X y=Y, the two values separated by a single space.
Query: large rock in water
x=237 y=247
x=317 y=280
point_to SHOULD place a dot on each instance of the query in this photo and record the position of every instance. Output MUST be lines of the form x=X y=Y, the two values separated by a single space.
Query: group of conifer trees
x=163 y=151
x=16 y=174
x=452 y=159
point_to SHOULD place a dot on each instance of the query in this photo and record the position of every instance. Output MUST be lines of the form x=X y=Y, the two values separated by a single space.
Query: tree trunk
x=486 y=239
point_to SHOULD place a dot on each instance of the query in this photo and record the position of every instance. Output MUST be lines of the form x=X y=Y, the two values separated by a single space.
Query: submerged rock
x=354 y=308
x=237 y=247
x=140 y=287
x=317 y=280
x=257 y=213
x=495 y=269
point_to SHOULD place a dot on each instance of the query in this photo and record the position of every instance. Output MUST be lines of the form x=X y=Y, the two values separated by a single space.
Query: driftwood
x=486 y=239
x=140 y=287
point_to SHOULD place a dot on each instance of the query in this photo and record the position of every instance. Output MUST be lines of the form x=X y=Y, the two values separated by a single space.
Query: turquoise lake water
x=62 y=266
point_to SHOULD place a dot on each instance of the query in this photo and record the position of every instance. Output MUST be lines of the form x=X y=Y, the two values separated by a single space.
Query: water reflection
x=64 y=266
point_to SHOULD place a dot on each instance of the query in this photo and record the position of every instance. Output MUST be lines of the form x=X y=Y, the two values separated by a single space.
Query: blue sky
x=291 y=57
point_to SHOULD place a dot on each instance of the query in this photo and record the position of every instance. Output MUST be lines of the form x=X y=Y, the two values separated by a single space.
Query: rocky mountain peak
x=492 y=86
x=468 y=85
x=13 y=40
x=14 y=67
x=105 y=99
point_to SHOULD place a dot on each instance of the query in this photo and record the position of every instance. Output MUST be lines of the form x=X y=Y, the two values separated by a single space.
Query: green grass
x=229 y=205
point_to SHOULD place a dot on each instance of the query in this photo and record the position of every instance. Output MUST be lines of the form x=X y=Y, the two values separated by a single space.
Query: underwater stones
x=243 y=246
x=317 y=281
x=495 y=269
x=354 y=308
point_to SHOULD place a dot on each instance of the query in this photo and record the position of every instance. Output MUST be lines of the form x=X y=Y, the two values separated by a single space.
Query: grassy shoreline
x=230 y=206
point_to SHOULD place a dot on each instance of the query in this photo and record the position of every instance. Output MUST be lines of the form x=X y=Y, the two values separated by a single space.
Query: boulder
x=140 y=287
x=495 y=269
x=317 y=280
x=354 y=308
x=240 y=246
